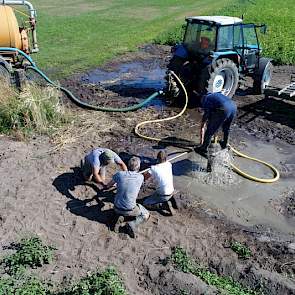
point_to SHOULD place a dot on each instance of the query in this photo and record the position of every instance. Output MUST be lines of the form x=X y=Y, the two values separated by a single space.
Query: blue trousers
x=219 y=119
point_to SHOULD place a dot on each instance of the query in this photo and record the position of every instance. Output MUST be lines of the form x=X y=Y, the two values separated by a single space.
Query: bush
x=105 y=283
x=34 y=109
x=29 y=252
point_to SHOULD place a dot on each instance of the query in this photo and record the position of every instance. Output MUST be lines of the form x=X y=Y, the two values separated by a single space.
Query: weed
x=33 y=109
x=23 y=286
x=29 y=252
x=105 y=283
x=224 y=284
x=242 y=250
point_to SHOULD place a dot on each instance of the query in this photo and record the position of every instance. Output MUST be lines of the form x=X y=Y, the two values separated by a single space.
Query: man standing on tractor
x=219 y=111
x=125 y=206
x=94 y=165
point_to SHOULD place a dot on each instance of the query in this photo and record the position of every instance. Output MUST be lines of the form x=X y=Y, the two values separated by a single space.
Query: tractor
x=216 y=54
x=16 y=37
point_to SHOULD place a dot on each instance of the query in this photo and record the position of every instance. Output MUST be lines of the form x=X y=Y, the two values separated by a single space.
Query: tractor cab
x=217 y=50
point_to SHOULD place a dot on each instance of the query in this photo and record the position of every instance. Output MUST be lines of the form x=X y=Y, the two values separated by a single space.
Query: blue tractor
x=216 y=54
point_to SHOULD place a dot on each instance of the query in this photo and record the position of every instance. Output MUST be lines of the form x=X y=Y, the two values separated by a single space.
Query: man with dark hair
x=128 y=187
x=219 y=111
x=162 y=174
x=95 y=163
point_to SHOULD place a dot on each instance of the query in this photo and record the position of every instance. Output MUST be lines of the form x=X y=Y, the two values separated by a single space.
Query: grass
x=278 y=43
x=33 y=110
x=31 y=253
x=76 y=35
x=224 y=284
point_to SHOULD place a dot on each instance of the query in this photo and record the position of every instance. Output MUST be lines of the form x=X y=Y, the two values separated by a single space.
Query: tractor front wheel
x=221 y=76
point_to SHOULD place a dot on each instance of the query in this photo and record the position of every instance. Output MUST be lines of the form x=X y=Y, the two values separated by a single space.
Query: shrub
x=29 y=252
x=33 y=109
x=105 y=283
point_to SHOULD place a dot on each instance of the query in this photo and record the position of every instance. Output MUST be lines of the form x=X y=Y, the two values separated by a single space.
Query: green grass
x=279 y=41
x=34 y=110
x=224 y=284
x=75 y=35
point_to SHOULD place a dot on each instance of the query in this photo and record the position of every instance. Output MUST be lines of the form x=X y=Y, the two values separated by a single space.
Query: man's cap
x=108 y=155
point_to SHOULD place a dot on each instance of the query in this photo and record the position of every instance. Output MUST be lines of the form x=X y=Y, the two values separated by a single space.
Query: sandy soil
x=43 y=193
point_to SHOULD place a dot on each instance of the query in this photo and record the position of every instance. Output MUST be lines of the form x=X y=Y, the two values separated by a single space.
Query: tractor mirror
x=263 y=29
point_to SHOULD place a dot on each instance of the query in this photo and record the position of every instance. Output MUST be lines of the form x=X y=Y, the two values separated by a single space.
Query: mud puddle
x=246 y=202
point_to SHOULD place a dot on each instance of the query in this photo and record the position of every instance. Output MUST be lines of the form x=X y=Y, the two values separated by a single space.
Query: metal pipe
x=33 y=15
x=21 y=2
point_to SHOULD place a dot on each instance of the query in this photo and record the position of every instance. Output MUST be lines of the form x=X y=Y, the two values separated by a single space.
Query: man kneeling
x=163 y=197
x=128 y=187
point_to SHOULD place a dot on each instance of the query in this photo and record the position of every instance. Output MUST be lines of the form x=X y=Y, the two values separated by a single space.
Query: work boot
x=130 y=231
x=174 y=203
x=167 y=206
x=201 y=151
x=119 y=222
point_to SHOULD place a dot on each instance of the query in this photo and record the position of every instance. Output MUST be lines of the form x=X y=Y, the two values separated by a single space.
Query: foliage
x=278 y=43
x=242 y=250
x=29 y=252
x=104 y=283
x=224 y=284
x=33 y=109
x=24 y=286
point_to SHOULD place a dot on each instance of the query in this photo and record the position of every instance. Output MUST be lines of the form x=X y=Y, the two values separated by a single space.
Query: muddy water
x=135 y=74
x=245 y=201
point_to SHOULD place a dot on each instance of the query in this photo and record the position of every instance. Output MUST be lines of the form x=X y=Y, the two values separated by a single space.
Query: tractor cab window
x=200 y=38
x=225 y=38
x=250 y=37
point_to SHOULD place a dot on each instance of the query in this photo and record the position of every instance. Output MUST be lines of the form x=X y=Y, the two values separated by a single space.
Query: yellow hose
x=235 y=168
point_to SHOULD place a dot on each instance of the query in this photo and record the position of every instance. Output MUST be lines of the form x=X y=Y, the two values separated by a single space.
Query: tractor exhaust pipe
x=33 y=15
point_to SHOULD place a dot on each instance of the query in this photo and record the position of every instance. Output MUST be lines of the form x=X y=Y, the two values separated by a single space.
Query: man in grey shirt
x=128 y=187
x=95 y=163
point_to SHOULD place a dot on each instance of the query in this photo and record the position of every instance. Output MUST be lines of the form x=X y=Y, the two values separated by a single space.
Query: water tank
x=9 y=29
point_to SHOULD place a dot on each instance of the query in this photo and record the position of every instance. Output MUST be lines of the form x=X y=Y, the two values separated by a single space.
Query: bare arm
x=122 y=166
x=97 y=177
x=110 y=184
x=146 y=175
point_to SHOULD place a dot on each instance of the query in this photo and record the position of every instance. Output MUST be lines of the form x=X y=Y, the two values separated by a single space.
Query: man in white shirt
x=162 y=175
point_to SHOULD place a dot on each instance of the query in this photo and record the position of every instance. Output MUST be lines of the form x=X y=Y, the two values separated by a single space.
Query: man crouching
x=128 y=187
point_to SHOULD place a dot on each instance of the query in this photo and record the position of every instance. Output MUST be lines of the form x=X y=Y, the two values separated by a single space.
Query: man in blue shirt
x=95 y=163
x=219 y=111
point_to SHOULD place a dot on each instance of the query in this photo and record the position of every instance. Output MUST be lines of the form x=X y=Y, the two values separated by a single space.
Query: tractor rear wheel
x=221 y=76
x=262 y=76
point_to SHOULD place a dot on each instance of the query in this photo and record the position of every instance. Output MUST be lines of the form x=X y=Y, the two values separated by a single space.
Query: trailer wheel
x=221 y=76
x=4 y=74
x=262 y=76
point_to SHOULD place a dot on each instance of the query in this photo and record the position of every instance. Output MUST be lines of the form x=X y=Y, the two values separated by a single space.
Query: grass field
x=76 y=34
